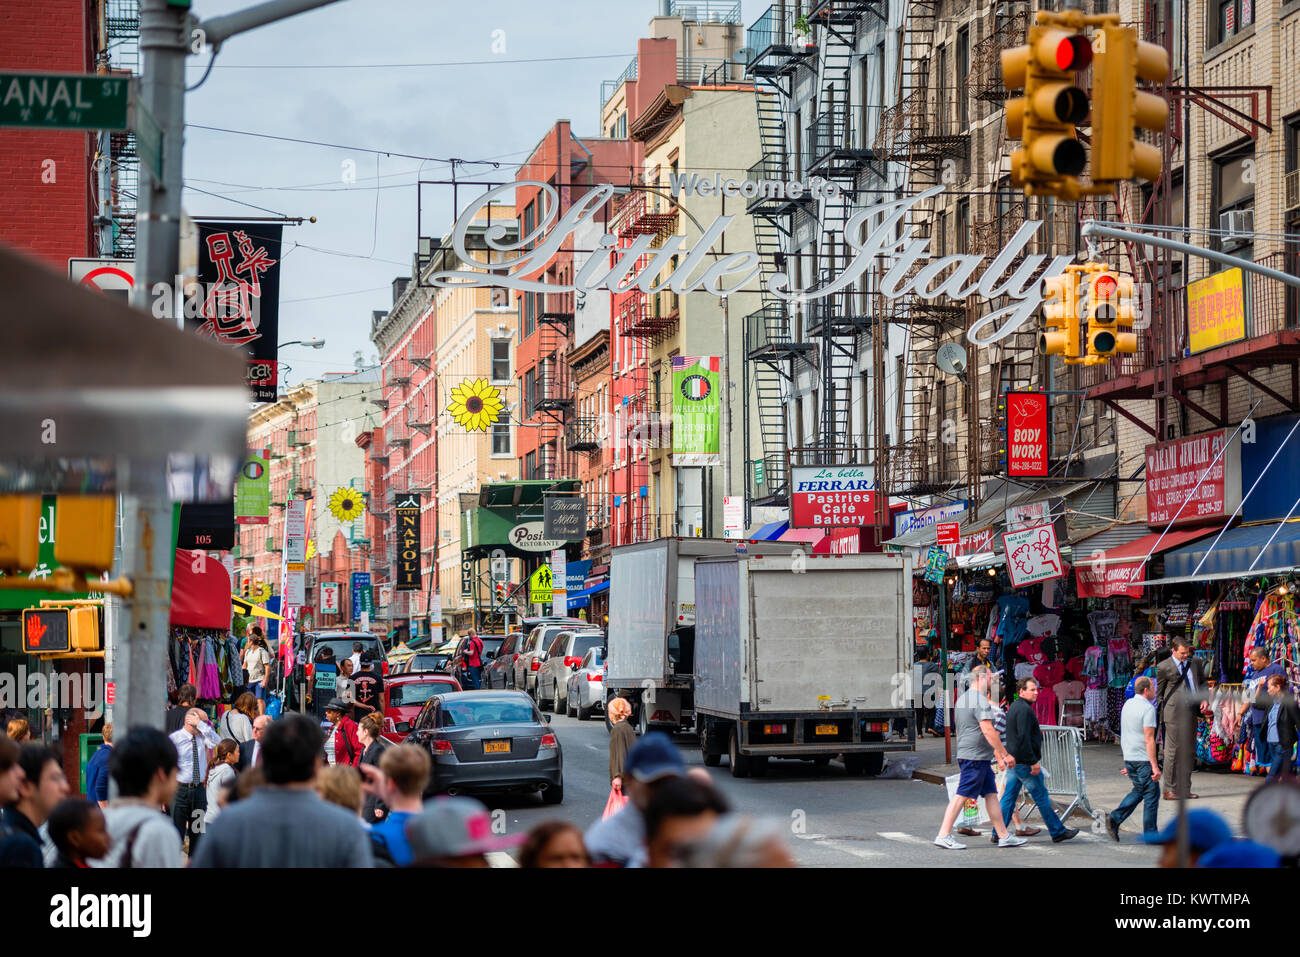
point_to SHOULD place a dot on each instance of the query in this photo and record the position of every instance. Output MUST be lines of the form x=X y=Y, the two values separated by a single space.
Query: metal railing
x=709 y=71
x=705 y=11
x=769 y=30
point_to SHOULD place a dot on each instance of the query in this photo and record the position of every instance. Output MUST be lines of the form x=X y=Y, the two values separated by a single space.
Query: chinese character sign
x=239 y=272
x=1032 y=555
x=1216 y=310
x=696 y=411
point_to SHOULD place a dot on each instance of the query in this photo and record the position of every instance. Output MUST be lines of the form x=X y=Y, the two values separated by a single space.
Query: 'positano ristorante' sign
x=874 y=234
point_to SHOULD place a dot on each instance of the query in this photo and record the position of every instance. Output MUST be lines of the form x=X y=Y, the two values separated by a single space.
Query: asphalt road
x=835 y=820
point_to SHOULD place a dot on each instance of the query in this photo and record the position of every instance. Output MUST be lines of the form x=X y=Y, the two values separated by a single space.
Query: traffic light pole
x=1094 y=228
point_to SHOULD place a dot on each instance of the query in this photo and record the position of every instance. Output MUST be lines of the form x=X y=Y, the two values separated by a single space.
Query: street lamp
x=309 y=343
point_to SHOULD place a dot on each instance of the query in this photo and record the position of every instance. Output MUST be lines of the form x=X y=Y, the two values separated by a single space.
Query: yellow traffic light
x=1119 y=106
x=20 y=517
x=1110 y=304
x=1060 y=313
x=87 y=528
x=245 y=588
x=1044 y=118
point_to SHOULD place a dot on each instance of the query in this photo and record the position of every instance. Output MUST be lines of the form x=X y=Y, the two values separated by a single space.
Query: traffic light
x=61 y=630
x=20 y=517
x=1061 y=315
x=1104 y=312
x=1051 y=157
x=1119 y=106
x=499 y=588
x=87 y=527
x=245 y=588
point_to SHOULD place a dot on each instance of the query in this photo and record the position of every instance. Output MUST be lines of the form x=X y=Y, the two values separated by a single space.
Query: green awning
x=522 y=494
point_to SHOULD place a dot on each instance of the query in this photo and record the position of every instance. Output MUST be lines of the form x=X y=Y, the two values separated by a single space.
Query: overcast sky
x=291 y=80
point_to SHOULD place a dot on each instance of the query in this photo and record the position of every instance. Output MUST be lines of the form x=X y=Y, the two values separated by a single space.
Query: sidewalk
x=1106 y=786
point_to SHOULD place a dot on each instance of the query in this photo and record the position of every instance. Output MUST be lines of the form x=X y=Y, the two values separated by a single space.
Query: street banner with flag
x=253 y=489
x=696 y=411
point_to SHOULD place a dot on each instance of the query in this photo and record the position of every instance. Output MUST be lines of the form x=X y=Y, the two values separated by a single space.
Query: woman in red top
x=343 y=738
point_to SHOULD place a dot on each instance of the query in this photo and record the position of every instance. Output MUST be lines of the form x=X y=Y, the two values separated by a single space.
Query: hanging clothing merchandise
x=1045 y=705
x=210 y=676
x=1120 y=662
x=1013 y=614
x=1094 y=705
x=1041 y=626
x=1054 y=593
x=1074 y=667
x=1104 y=624
x=1094 y=662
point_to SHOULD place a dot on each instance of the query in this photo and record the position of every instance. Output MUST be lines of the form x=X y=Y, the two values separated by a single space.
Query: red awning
x=809 y=535
x=200 y=591
x=1116 y=571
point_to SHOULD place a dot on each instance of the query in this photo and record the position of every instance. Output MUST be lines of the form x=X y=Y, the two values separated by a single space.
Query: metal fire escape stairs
x=555 y=384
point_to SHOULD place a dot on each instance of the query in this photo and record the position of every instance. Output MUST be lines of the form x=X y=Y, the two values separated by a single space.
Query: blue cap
x=1205 y=829
x=653 y=757
x=1241 y=854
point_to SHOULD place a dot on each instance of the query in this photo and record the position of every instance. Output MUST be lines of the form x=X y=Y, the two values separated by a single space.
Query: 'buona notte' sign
x=872 y=234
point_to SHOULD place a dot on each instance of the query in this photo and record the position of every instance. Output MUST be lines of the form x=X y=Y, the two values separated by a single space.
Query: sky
x=337 y=76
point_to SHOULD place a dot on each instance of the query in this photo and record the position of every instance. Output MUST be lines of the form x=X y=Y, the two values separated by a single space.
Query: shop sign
x=875 y=235
x=564 y=517
x=844 y=541
x=1103 y=579
x=925 y=517
x=466 y=578
x=975 y=543
x=253 y=489
x=531 y=537
x=831 y=496
x=407 y=510
x=1216 y=310
x=1031 y=513
x=1032 y=555
x=385 y=595
x=1173 y=470
x=1026 y=434
x=362 y=599
x=936 y=564
x=329 y=598
x=696 y=411
x=947 y=533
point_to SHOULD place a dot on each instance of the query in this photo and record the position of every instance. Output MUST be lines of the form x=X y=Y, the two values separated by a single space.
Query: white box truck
x=650 y=643
x=805 y=663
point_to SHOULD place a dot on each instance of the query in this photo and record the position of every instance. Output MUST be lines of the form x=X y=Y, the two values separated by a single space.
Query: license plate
x=828 y=729
x=496 y=747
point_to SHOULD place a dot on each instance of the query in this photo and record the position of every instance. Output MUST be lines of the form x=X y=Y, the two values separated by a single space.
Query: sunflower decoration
x=475 y=405
x=346 y=504
x=311 y=549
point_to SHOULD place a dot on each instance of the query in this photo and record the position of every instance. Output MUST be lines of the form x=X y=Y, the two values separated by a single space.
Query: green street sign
x=65 y=101
x=758 y=471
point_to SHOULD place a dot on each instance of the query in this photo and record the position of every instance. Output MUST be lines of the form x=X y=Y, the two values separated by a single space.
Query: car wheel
x=584 y=714
x=554 y=794
x=642 y=718
x=739 y=762
x=543 y=704
x=569 y=710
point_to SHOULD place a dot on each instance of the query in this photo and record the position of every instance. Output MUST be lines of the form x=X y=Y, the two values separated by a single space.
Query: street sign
x=64 y=101
x=112 y=276
x=947 y=533
x=539 y=586
x=148 y=138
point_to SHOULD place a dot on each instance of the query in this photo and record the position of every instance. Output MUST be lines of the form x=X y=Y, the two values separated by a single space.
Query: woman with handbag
x=237 y=723
x=621 y=739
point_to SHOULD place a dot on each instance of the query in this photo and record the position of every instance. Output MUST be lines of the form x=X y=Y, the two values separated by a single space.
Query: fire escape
x=554 y=400
x=122 y=55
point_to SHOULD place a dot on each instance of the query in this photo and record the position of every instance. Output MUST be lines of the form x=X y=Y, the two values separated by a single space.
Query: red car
x=405 y=695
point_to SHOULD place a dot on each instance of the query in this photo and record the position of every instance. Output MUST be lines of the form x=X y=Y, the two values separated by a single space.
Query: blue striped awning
x=770 y=532
x=1237 y=550
x=582 y=599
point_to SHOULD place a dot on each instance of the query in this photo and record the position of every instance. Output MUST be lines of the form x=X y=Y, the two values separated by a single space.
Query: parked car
x=491 y=645
x=563 y=656
x=586 y=691
x=425 y=661
x=539 y=639
x=489 y=740
x=500 y=671
x=404 y=697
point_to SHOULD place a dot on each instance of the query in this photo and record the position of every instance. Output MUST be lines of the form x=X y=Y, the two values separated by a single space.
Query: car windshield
x=584 y=643
x=416 y=692
x=469 y=712
x=342 y=647
x=428 y=662
x=492 y=645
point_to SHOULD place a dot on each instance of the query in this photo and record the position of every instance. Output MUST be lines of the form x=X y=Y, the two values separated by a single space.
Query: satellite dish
x=951 y=358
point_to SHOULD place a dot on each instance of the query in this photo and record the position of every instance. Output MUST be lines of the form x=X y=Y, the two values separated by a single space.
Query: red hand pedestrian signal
x=35 y=631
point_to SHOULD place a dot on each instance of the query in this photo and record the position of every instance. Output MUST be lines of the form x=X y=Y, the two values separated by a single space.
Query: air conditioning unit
x=1238 y=224
x=1292 y=189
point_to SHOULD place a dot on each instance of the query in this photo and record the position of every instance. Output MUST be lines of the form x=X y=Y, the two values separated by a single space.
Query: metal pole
x=724 y=415
x=943 y=669
x=1094 y=228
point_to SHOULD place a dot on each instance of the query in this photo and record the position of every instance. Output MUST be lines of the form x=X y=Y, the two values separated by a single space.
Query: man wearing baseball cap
x=1206 y=830
x=455 y=832
x=619 y=840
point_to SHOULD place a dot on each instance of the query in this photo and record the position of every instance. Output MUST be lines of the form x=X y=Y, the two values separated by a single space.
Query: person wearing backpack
x=343 y=743
x=144 y=765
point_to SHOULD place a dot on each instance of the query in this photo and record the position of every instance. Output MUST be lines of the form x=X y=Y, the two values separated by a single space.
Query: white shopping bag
x=973 y=812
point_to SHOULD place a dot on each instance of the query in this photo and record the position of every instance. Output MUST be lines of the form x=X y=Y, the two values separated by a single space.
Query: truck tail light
x=442 y=747
x=549 y=742
x=774 y=729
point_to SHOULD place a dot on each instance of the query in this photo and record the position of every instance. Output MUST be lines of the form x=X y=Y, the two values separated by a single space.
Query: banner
x=239 y=277
x=1174 y=468
x=1032 y=555
x=1027 y=434
x=733 y=516
x=1216 y=310
x=407 y=510
x=253 y=489
x=831 y=496
x=696 y=411
x=361 y=597
x=329 y=598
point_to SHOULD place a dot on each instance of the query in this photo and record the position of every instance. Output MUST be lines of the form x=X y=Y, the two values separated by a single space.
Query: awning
x=1217 y=576
x=582 y=598
x=769 y=532
x=980 y=560
x=1121 y=569
x=247 y=608
x=1237 y=550
x=809 y=535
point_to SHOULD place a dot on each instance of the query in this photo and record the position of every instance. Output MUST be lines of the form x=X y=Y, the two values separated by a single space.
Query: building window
x=500 y=360
x=530 y=466
x=961 y=232
x=1234 y=191
x=530 y=389
x=1231 y=17
x=946 y=111
x=963 y=71
x=500 y=438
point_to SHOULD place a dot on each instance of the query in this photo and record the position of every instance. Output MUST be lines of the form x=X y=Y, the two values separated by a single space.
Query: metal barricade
x=1063 y=761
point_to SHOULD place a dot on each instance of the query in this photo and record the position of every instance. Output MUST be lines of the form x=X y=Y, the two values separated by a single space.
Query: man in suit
x=1281 y=726
x=1178 y=676
x=250 y=752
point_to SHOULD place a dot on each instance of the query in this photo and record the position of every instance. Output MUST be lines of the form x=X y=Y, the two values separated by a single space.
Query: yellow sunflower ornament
x=475 y=405
x=347 y=504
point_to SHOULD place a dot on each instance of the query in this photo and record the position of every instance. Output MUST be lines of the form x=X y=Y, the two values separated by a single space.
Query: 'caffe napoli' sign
x=877 y=233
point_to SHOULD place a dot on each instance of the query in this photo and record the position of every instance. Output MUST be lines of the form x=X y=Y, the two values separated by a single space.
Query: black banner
x=565 y=518
x=207 y=527
x=239 y=299
x=407 y=509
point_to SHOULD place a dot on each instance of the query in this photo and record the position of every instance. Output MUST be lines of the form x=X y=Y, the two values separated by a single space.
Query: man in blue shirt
x=1281 y=727
x=399 y=782
x=1261 y=669
x=97 y=768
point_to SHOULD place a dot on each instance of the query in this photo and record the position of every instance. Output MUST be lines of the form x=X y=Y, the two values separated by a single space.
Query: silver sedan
x=586 y=689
